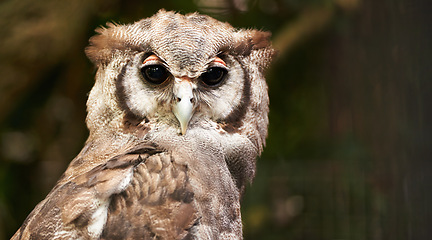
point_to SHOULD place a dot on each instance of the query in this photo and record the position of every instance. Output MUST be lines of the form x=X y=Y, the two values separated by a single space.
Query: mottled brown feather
x=137 y=177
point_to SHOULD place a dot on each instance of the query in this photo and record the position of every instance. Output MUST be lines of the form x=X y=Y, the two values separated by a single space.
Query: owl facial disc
x=183 y=108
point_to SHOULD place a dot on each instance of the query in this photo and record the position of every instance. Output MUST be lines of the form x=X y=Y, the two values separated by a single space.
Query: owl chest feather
x=143 y=193
x=166 y=199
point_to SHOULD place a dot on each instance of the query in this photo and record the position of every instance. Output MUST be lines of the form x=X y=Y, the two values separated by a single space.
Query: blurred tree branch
x=311 y=21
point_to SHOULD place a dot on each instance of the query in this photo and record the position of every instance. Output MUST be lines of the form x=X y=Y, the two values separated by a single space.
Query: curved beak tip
x=183 y=129
x=183 y=108
x=183 y=113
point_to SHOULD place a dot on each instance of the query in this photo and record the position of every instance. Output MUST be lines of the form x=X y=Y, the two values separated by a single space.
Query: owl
x=177 y=117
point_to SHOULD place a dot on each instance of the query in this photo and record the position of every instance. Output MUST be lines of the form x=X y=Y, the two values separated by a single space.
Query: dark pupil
x=213 y=76
x=155 y=74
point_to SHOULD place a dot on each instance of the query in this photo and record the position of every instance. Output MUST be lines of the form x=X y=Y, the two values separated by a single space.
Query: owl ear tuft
x=103 y=45
x=245 y=41
x=260 y=39
x=99 y=49
x=256 y=45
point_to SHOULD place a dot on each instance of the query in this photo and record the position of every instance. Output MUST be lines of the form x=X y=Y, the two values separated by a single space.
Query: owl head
x=176 y=74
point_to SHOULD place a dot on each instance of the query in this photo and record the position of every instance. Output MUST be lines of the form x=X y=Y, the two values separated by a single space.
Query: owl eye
x=155 y=74
x=213 y=76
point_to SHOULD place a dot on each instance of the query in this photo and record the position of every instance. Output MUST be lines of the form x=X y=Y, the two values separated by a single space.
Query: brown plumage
x=177 y=116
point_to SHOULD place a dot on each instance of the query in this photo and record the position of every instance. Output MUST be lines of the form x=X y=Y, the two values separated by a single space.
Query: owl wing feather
x=140 y=194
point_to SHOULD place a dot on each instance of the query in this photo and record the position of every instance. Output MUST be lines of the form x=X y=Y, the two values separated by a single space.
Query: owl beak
x=183 y=108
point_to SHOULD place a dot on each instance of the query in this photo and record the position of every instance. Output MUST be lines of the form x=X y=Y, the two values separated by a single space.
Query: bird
x=177 y=117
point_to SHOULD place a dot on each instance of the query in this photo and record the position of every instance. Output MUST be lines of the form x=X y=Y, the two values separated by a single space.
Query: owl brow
x=161 y=59
x=157 y=58
x=152 y=57
x=218 y=58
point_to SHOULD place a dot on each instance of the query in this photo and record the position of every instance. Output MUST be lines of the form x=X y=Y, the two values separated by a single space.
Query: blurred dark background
x=349 y=153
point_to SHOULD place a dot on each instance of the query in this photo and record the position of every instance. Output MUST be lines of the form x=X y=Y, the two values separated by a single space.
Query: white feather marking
x=99 y=216
x=65 y=235
x=124 y=183
x=98 y=220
